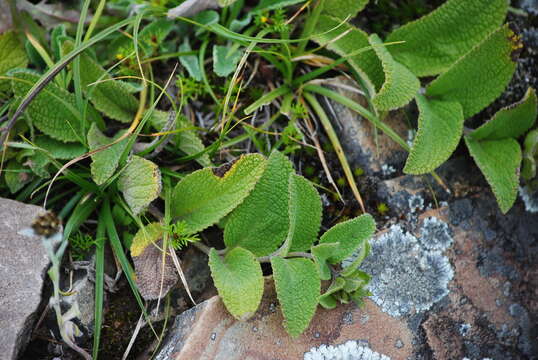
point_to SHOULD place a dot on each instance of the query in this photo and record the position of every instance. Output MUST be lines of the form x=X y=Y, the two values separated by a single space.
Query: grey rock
x=5 y=16
x=83 y=295
x=23 y=265
x=405 y=275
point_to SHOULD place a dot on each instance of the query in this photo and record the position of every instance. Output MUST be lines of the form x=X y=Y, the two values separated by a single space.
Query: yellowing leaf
x=499 y=161
x=239 y=280
x=400 y=84
x=440 y=125
x=434 y=42
x=512 y=121
x=205 y=196
x=260 y=224
x=149 y=234
x=481 y=75
x=298 y=288
x=140 y=183
x=349 y=235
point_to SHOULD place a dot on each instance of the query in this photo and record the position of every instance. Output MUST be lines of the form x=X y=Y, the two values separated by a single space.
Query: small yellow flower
x=264 y=19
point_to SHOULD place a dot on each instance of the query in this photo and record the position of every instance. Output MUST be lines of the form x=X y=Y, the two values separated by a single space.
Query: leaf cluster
x=269 y=214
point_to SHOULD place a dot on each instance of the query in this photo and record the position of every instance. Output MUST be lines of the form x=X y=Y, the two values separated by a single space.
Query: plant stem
x=360 y=110
x=337 y=146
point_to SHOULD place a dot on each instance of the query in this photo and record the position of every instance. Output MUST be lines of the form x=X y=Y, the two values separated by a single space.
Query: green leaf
x=53 y=110
x=511 y=121
x=140 y=183
x=16 y=176
x=225 y=59
x=187 y=141
x=304 y=213
x=440 y=126
x=266 y=5
x=366 y=64
x=528 y=166
x=499 y=161
x=434 y=42
x=149 y=37
x=190 y=62
x=13 y=55
x=260 y=224
x=298 y=288
x=400 y=84
x=343 y=9
x=239 y=280
x=113 y=98
x=481 y=75
x=147 y=235
x=105 y=162
x=328 y=298
x=205 y=196
x=349 y=235
x=322 y=253
x=60 y=150
x=56 y=36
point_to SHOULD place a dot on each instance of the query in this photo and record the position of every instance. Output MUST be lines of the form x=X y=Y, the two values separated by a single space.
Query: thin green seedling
x=100 y=241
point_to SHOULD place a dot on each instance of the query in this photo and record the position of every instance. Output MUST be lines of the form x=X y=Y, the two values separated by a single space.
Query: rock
x=23 y=265
x=357 y=136
x=83 y=295
x=208 y=331
x=5 y=16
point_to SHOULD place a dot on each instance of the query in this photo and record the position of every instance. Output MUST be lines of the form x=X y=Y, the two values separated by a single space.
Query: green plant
x=270 y=215
x=81 y=245
x=481 y=49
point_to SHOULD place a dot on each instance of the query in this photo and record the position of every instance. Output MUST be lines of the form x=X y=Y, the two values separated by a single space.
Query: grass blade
x=99 y=282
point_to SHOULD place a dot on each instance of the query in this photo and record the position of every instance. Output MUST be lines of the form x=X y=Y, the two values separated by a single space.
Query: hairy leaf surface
x=239 y=280
x=440 y=125
x=349 y=235
x=225 y=59
x=322 y=253
x=304 y=212
x=343 y=9
x=511 y=121
x=481 y=75
x=190 y=62
x=13 y=57
x=187 y=141
x=140 y=183
x=111 y=97
x=145 y=236
x=53 y=110
x=104 y=162
x=58 y=149
x=400 y=84
x=260 y=224
x=205 y=196
x=298 y=288
x=330 y=31
x=434 y=42
x=499 y=161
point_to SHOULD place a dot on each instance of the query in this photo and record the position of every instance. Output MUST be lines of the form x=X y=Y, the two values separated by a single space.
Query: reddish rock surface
x=208 y=331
